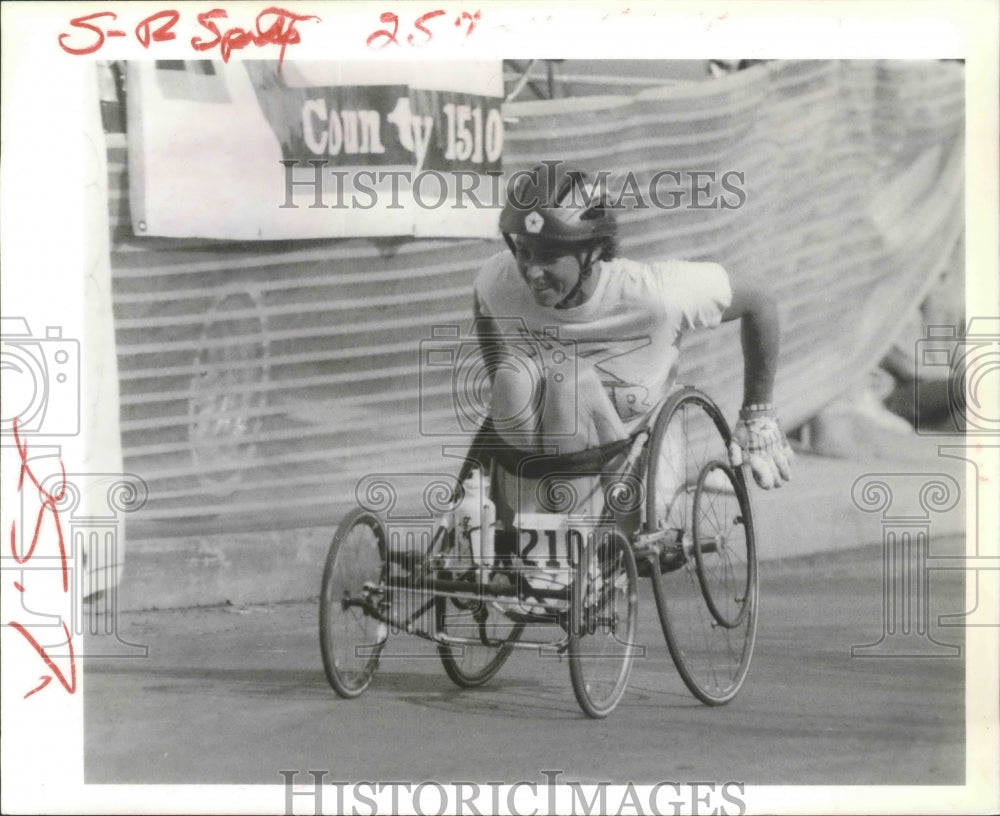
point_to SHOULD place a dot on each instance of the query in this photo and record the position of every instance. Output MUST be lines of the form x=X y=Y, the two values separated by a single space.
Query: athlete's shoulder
x=675 y=274
x=696 y=292
x=675 y=267
x=674 y=283
x=696 y=278
x=629 y=280
x=626 y=274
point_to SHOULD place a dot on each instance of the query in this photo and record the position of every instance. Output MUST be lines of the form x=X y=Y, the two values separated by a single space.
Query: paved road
x=233 y=695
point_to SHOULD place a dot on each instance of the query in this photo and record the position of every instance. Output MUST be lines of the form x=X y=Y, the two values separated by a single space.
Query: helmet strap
x=586 y=267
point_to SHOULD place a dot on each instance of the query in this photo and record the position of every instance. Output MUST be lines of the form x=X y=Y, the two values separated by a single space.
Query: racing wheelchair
x=674 y=510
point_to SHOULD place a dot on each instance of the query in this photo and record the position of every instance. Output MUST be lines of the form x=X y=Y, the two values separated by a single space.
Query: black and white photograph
x=500 y=408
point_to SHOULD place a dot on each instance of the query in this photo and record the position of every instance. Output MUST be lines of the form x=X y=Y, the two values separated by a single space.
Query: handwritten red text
x=383 y=37
x=48 y=508
x=273 y=26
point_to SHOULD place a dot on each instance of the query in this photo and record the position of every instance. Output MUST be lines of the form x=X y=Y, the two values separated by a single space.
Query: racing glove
x=759 y=442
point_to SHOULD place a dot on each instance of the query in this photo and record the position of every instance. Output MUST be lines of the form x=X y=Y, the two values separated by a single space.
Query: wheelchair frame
x=698 y=548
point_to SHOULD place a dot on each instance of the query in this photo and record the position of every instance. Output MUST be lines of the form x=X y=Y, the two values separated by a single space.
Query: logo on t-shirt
x=630 y=398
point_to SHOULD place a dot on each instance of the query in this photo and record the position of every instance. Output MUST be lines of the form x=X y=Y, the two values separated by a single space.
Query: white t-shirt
x=629 y=329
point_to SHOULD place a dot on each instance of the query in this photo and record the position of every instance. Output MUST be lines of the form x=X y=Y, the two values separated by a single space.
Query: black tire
x=351 y=635
x=471 y=665
x=725 y=556
x=689 y=444
x=604 y=615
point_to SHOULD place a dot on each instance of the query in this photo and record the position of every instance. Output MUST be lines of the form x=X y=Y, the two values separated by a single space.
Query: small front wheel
x=604 y=616
x=352 y=630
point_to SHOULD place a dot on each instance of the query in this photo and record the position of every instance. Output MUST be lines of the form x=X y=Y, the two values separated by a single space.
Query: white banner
x=261 y=150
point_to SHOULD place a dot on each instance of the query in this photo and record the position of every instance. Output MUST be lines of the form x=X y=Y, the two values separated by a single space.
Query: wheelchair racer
x=565 y=285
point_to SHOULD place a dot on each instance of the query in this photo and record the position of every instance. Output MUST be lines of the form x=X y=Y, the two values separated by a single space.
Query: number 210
x=573 y=537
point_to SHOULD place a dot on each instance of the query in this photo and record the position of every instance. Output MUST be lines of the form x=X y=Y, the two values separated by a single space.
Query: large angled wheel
x=351 y=631
x=472 y=664
x=604 y=615
x=706 y=595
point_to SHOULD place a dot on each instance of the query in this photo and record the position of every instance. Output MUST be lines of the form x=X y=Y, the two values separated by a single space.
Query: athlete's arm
x=755 y=305
x=757 y=438
x=486 y=334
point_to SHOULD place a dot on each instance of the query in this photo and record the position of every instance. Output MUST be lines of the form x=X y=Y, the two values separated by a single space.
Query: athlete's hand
x=759 y=442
